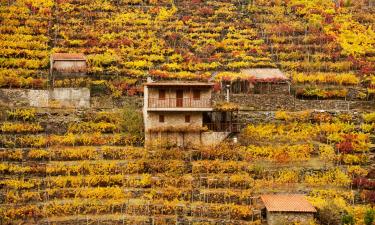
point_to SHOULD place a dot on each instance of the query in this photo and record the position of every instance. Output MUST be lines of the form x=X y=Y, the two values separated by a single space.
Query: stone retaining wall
x=108 y=102
x=80 y=98
x=260 y=102
x=56 y=98
x=213 y=138
x=281 y=218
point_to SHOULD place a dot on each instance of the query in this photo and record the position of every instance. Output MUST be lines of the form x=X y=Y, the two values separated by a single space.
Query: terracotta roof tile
x=287 y=203
x=68 y=56
x=265 y=73
x=175 y=83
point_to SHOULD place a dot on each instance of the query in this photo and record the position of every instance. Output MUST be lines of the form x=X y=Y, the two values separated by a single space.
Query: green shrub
x=369 y=218
x=132 y=121
x=347 y=219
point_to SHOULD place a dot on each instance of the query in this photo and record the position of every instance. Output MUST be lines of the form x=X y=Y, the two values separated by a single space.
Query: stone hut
x=180 y=113
x=287 y=209
x=67 y=65
x=260 y=81
x=268 y=81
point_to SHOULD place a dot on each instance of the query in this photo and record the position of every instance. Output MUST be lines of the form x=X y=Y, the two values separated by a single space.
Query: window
x=161 y=118
x=196 y=94
x=162 y=94
x=187 y=118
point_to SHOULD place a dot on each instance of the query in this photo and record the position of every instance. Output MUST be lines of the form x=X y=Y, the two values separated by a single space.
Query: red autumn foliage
x=173 y=36
x=368 y=196
x=363 y=183
x=335 y=55
x=61 y=1
x=121 y=42
x=315 y=11
x=328 y=19
x=322 y=117
x=154 y=10
x=132 y=91
x=206 y=11
x=297 y=7
x=283 y=28
x=32 y=8
x=91 y=42
x=120 y=85
x=13 y=82
x=371 y=174
x=217 y=87
x=345 y=147
x=367 y=68
x=209 y=49
x=185 y=18
x=37 y=83
x=159 y=73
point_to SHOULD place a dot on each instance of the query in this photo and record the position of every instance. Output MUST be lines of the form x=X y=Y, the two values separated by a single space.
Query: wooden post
x=230 y=122
x=190 y=96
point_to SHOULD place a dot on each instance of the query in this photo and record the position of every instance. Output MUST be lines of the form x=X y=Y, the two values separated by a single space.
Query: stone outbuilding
x=287 y=209
x=260 y=81
x=67 y=65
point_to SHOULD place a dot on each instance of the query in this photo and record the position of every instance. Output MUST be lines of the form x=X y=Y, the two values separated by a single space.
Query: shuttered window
x=161 y=93
x=196 y=94
x=161 y=118
x=187 y=118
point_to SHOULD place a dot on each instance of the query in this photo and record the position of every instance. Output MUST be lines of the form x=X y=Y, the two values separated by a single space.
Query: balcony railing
x=224 y=127
x=179 y=103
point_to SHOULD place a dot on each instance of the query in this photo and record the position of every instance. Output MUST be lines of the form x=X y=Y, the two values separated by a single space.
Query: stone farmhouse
x=182 y=113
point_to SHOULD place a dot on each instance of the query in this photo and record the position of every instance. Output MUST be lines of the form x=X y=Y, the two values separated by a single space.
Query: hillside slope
x=126 y=41
x=78 y=167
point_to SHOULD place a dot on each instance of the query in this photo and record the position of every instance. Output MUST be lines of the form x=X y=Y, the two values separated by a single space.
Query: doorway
x=179 y=98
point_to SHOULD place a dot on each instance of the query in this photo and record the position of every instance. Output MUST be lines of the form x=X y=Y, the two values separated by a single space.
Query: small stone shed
x=67 y=65
x=287 y=209
x=261 y=81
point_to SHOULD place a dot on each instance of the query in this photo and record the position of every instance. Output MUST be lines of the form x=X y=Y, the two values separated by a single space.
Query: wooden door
x=179 y=98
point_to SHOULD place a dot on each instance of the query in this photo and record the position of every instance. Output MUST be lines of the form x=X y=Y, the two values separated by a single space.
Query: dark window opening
x=161 y=93
x=161 y=118
x=187 y=118
x=196 y=94
x=179 y=98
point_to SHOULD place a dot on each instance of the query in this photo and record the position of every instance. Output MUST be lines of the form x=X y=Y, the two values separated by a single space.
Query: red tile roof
x=186 y=83
x=265 y=73
x=68 y=56
x=287 y=203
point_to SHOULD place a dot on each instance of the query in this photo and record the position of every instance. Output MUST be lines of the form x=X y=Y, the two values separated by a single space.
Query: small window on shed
x=187 y=118
x=161 y=93
x=196 y=94
x=161 y=118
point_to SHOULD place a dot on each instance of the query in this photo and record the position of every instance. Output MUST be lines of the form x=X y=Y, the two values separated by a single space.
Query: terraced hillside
x=88 y=165
x=316 y=42
x=72 y=167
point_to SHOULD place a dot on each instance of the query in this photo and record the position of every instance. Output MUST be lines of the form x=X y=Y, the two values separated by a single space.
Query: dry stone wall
x=108 y=102
x=56 y=98
x=263 y=102
x=278 y=218
x=212 y=138
x=80 y=98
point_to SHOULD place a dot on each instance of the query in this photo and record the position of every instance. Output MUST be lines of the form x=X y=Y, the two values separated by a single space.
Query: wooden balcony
x=224 y=127
x=179 y=103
